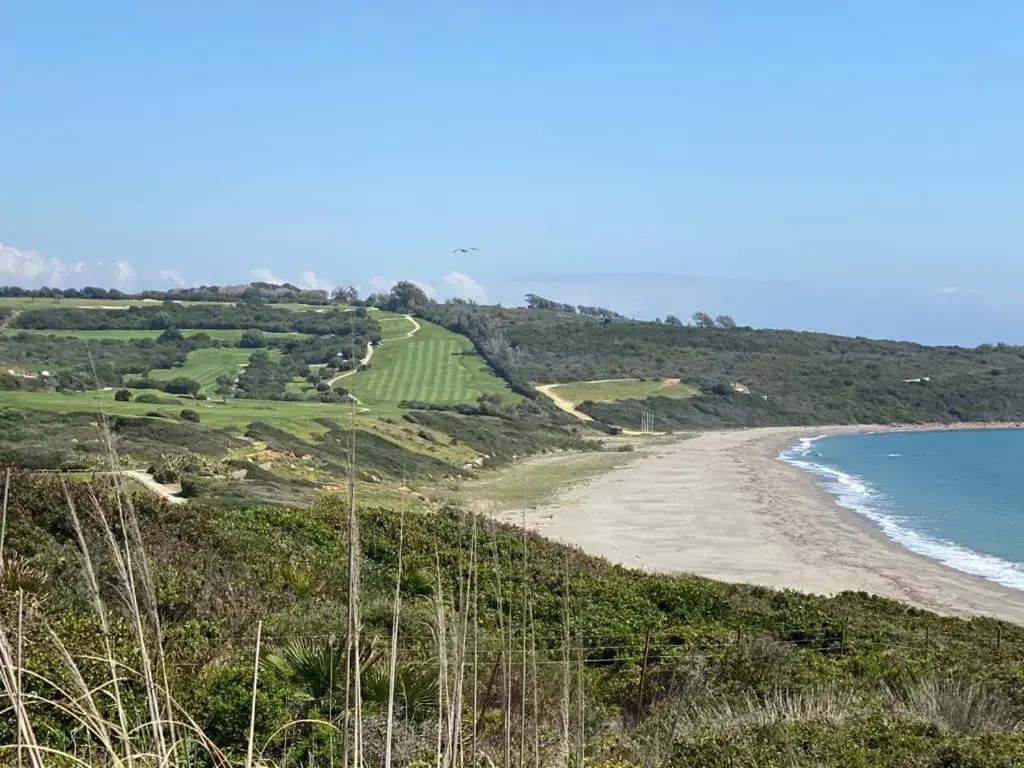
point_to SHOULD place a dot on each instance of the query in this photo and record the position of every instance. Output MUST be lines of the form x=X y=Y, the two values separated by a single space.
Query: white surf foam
x=858 y=494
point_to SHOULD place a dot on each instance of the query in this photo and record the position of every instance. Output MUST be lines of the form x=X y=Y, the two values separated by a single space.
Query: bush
x=252 y=338
x=188 y=414
x=164 y=475
x=171 y=334
x=147 y=397
x=183 y=385
x=190 y=486
x=322 y=386
x=123 y=396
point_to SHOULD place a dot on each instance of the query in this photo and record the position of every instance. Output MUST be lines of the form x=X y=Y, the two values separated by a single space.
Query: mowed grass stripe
x=435 y=372
x=388 y=386
x=460 y=379
x=420 y=362
x=389 y=381
x=450 y=375
x=431 y=366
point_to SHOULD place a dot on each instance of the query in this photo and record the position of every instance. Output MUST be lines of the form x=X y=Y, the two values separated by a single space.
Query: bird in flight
x=464 y=250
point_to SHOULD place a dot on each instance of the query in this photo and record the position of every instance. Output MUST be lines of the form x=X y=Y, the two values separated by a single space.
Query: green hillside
x=433 y=365
x=672 y=670
x=792 y=377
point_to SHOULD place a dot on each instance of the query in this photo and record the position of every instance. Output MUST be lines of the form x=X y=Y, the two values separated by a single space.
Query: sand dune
x=722 y=505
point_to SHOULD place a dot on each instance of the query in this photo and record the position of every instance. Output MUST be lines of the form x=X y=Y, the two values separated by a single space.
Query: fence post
x=999 y=638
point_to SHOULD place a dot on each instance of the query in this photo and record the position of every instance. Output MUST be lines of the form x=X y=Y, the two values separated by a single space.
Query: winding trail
x=548 y=390
x=566 y=405
x=369 y=352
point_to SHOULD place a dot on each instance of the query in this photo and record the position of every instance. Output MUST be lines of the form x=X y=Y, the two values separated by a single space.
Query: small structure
x=743 y=389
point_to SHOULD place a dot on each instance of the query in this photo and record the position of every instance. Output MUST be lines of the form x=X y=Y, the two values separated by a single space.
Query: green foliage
x=187 y=414
x=792 y=377
x=147 y=397
x=77 y=365
x=224 y=316
x=182 y=385
x=123 y=396
x=252 y=338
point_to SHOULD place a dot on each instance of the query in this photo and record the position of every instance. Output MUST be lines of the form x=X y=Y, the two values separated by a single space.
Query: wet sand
x=722 y=505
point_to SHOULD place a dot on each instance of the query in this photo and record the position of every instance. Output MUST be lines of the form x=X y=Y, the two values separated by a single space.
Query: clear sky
x=759 y=155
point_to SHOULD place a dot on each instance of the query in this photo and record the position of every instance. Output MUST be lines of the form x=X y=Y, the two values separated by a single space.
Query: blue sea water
x=956 y=496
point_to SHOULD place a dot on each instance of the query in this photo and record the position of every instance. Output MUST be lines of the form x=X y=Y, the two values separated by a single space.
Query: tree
x=703 y=319
x=252 y=338
x=183 y=385
x=672 y=320
x=187 y=414
x=170 y=334
x=123 y=396
x=724 y=321
x=407 y=297
x=345 y=295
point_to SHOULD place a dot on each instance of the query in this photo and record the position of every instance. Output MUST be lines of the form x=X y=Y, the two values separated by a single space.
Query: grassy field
x=218 y=334
x=434 y=365
x=622 y=389
x=205 y=365
x=235 y=413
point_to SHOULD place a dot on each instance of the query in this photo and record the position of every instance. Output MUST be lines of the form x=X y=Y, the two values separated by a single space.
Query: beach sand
x=722 y=505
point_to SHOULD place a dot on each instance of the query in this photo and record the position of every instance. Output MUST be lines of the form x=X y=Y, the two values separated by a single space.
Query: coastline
x=721 y=504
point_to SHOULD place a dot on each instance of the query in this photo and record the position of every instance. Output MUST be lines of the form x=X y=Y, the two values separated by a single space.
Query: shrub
x=171 y=334
x=322 y=386
x=183 y=385
x=123 y=396
x=252 y=338
x=188 y=414
x=164 y=475
x=147 y=397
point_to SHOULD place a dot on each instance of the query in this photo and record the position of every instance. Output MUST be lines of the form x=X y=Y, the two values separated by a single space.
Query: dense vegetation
x=76 y=365
x=619 y=665
x=792 y=377
x=258 y=291
x=244 y=316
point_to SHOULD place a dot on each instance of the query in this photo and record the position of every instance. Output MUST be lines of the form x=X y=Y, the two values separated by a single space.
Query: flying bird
x=464 y=250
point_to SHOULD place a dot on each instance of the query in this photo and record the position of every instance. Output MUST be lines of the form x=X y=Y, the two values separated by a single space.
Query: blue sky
x=849 y=166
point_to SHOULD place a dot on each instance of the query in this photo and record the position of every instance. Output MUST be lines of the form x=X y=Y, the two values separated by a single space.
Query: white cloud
x=125 y=275
x=464 y=286
x=952 y=290
x=311 y=282
x=264 y=275
x=173 y=276
x=32 y=267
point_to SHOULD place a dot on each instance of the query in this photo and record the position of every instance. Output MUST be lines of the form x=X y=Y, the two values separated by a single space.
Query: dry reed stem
x=393 y=663
x=255 y=687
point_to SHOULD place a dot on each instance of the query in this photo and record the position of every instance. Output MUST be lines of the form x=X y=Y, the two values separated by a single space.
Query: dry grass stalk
x=255 y=687
x=3 y=515
x=393 y=662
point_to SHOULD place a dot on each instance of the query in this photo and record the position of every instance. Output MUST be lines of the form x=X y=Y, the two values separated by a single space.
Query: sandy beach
x=722 y=505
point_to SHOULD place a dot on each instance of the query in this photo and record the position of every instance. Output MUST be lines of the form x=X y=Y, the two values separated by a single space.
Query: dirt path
x=163 y=491
x=369 y=352
x=365 y=361
x=549 y=391
x=567 y=406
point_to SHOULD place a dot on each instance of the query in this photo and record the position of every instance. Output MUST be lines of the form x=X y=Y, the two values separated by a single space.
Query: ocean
x=956 y=496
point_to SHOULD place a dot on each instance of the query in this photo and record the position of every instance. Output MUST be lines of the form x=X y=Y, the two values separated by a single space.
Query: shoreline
x=721 y=504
